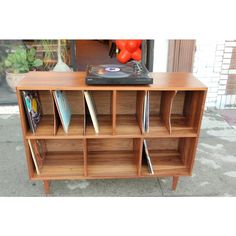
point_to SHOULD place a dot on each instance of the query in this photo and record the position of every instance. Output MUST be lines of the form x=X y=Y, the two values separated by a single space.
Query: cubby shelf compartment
x=129 y=107
x=45 y=127
x=63 y=158
x=160 y=111
x=113 y=157
x=76 y=127
x=103 y=103
x=46 y=124
x=186 y=108
x=170 y=156
x=175 y=112
x=63 y=164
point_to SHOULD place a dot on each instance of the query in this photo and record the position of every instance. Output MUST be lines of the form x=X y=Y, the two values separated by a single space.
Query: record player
x=118 y=74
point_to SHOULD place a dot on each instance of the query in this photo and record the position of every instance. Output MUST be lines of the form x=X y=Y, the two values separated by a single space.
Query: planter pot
x=13 y=79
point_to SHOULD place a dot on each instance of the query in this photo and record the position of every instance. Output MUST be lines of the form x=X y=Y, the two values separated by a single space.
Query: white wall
x=207 y=66
x=160 y=55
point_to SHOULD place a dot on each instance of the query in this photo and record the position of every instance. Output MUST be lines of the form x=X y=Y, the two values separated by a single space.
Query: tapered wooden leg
x=46 y=185
x=175 y=182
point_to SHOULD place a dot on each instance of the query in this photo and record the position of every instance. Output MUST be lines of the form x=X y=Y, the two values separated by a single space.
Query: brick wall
x=215 y=66
x=207 y=67
x=226 y=98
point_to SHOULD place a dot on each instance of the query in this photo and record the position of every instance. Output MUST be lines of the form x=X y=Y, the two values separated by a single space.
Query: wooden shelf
x=157 y=126
x=112 y=163
x=179 y=122
x=126 y=125
x=176 y=104
x=58 y=165
x=45 y=128
x=105 y=126
x=76 y=127
x=166 y=163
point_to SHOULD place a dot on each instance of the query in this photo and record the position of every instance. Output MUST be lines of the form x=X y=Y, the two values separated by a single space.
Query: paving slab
x=10 y=128
x=229 y=115
x=214 y=125
x=14 y=179
x=108 y=188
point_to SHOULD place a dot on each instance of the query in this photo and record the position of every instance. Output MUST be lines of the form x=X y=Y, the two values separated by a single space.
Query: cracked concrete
x=214 y=172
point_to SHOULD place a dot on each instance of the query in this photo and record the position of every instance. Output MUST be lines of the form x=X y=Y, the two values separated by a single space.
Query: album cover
x=33 y=157
x=91 y=110
x=146 y=160
x=63 y=108
x=32 y=108
x=39 y=147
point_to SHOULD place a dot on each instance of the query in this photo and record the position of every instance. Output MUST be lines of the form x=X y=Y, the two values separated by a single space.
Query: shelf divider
x=192 y=110
x=166 y=107
x=84 y=112
x=56 y=118
x=138 y=149
x=113 y=110
x=85 y=151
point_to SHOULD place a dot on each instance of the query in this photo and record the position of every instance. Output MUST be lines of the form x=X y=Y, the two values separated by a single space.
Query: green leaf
x=37 y=63
x=32 y=52
x=31 y=55
x=21 y=54
x=7 y=63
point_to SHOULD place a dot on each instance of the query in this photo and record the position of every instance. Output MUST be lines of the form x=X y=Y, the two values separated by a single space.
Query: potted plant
x=20 y=62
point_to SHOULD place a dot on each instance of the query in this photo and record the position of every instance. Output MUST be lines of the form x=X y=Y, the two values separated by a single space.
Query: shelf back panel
x=46 y=102
x=178 y=103
x=155 y=102
x=103 y=102
x=64 y=145
x=163 y=143
x=109 y=145
x=75 y=100
x=126 y=102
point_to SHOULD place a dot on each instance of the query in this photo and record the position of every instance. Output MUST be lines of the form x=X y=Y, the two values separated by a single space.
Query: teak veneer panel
x=166 y=107
x=76 y=127
x=75 y=100
x=105 y=126
x=58 y=164
x=103 y=102
x=166 y=162
x=46 y=126
x=64 y=145
x=127 y=124
x=46 y=102
x=112 y=163
x=76 y=81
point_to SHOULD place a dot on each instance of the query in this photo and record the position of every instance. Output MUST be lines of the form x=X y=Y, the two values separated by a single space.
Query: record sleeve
x=32 y=108
x=63 y=108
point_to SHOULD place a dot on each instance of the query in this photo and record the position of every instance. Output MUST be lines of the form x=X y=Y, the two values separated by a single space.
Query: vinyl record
x=112 y=71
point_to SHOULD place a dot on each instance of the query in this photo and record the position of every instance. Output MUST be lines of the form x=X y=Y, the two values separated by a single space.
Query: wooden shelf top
x=76 y=81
